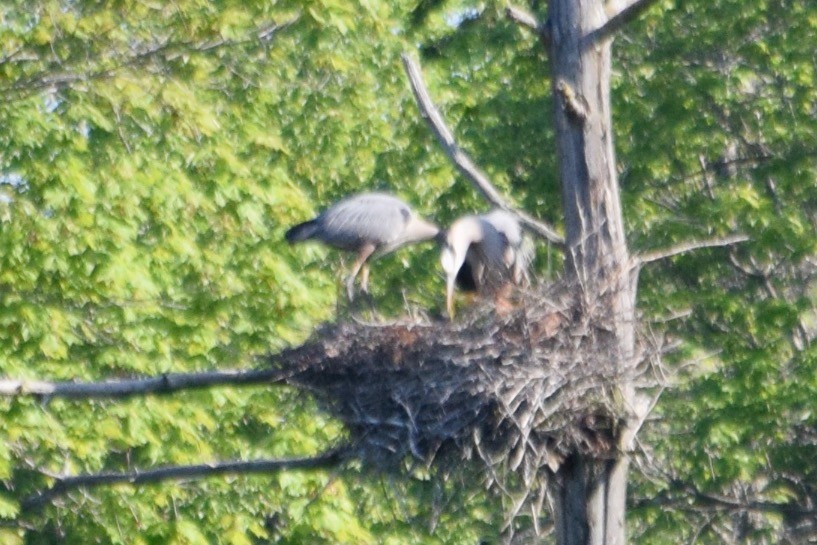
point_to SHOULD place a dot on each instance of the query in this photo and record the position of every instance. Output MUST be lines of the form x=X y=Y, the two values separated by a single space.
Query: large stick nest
x=522 y=387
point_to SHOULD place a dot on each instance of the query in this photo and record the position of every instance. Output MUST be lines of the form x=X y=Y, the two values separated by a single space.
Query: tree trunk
x=590 y=493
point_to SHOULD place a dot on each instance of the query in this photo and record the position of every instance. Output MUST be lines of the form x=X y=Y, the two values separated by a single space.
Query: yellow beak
x=449 y=297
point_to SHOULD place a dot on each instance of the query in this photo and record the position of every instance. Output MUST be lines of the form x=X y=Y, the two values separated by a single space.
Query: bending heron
x=366 y=224
x=482 y=253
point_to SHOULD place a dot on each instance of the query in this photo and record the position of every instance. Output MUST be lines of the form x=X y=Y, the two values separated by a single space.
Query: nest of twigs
x=522 y=387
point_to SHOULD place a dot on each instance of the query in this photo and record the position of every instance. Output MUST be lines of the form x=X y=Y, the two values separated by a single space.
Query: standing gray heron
x=366 y=224
x=482 y=253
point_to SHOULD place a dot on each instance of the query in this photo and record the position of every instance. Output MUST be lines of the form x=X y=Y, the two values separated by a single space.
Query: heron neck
x=466 y=231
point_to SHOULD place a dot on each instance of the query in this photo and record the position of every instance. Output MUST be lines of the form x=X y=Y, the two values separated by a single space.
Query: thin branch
x=641 y=409
x=686 y=496
x=263 y=33
x=166 y=50
x=621 y=15
x=527 y=20
x=66 y=483
x=649 y=257
x=521 y=17
x=461 y=159
x=738 y=162
x=162 y=384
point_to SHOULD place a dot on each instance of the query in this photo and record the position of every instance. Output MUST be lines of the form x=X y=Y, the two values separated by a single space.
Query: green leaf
x=9 y=508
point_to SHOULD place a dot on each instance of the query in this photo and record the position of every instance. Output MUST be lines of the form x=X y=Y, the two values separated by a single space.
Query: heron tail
x=302 y=231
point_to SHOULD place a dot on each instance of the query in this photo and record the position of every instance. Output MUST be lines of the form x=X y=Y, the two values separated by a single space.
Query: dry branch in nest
x=519 y=389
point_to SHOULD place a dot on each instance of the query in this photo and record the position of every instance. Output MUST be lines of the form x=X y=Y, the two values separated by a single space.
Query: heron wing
x=373 y=218
x=520 y=251
x=506 y=224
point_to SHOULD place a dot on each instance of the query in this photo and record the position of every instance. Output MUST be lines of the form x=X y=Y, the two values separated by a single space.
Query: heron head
x=455 y=244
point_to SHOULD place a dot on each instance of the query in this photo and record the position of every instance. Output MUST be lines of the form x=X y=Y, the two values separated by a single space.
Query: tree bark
x=589 y=493
x=588 y=506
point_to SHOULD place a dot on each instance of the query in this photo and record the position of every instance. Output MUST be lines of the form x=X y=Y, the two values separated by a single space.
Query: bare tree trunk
x=589 y=501
x=589 y=493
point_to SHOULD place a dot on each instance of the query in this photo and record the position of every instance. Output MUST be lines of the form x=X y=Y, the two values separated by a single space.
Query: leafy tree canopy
x=154 y=153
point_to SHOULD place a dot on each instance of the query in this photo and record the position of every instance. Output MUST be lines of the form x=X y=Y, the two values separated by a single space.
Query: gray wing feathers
x=379 y=219
x=521 y=253
x=516 y=255
x=507 y=225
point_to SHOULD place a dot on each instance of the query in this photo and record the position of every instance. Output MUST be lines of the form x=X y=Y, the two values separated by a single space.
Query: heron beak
x=449 y=295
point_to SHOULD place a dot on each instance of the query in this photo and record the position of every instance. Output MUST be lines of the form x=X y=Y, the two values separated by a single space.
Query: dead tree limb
x=461 y=159
x=686 y=496
x=138 y=54
x=684 y=247
x=523 y=18
x=619 y=13
x=528 y=21
x=161 y=384
x=66 y=483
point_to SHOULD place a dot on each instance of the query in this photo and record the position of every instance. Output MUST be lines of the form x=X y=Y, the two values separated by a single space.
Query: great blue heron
x=482 y=253
x=367 y=224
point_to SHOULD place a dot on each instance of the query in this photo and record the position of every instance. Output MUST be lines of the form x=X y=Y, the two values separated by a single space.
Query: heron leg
x=364 y=285
x=364 y=278
x=362 y=255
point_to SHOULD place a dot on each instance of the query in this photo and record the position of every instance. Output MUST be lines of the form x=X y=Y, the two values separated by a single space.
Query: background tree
x=735 y=149
x=149 y=172
x=150 y=161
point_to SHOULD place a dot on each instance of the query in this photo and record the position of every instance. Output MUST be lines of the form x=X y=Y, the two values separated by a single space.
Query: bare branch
x=461 y=159
x=138 y=54
x=66 y=483
x=162 y=384
x=521 y=17
x=263 y=33
x=619 y=14
x=689 y=246
x=527 y=20
x=686 y=496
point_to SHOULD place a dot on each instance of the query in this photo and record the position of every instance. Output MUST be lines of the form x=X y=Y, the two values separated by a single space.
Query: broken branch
x=619 y=14
x=66 y=483
x=112 y=61
x=162 y=384
x=526 y=20
x=649 y=257
x=461 y=159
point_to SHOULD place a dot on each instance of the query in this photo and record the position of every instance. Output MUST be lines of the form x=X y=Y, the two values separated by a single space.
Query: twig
x=49 y=79
x=649 y=257
x=162 y=384
x=65 y=484
x=527 y=20
x=689 y=496
x=641 y=413
x=620 y=16
x=461 y=159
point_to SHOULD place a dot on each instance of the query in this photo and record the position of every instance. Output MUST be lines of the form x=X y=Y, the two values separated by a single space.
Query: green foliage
x=152 y=158
x=153 y=154
x=716 y=130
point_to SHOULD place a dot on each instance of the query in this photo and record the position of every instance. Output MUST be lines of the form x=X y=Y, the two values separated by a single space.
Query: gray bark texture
x=589 y=494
